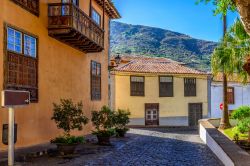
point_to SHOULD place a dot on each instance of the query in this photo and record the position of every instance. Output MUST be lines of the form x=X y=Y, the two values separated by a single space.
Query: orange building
x=54 y=49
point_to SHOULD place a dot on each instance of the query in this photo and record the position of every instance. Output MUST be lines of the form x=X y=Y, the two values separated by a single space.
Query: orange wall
x=64 y=72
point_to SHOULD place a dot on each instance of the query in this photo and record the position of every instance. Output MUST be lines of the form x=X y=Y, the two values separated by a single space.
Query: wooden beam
x=90 y=8
x=103 y=14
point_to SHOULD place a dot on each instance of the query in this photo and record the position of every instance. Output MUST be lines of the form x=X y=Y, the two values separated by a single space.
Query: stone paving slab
x=149 y=147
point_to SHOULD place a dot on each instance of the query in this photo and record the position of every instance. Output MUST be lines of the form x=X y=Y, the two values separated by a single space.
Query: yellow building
x=159 y=91
x=54 y=49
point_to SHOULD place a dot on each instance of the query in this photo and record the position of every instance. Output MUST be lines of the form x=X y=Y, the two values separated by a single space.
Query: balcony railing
x=30 y=5
x=69 y=24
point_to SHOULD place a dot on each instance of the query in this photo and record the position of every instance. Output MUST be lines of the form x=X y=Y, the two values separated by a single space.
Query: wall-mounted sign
x=12 y=98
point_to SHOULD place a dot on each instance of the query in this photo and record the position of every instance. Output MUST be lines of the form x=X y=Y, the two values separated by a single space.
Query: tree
x=242 y=115
x=242 y=6
x=229 y=58
x=224 y=58
x=69 y=116
x=221 y=6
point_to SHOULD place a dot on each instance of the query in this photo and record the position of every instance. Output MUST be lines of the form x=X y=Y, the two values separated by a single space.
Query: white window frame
x=14 y=38
x=35 y=49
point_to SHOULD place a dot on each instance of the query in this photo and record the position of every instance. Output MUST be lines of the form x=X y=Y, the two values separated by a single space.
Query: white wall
x=241 y=95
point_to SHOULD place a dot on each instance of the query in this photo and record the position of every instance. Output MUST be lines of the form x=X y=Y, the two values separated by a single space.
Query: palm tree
x=229 y=58
x=224 y=123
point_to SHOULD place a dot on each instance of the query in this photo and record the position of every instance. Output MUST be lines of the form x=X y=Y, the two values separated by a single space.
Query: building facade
x=159 y=91
x=56 y=49
x=238 y=95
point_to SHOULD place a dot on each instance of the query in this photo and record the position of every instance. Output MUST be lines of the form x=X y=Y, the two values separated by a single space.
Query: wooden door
x=194 y=113
x=152 y=114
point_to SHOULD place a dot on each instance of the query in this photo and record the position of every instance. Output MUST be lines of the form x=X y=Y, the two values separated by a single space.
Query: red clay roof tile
x=156 y=65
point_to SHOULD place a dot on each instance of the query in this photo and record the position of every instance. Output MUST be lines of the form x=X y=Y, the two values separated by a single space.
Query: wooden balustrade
x=30 y=5
x=69 y=24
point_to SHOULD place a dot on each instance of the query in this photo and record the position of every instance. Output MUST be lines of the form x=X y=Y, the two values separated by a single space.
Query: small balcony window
x=96 y=17
x=75 y=2
x=29 y=46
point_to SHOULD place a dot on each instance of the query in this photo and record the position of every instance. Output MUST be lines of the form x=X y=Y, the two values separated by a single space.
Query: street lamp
x=118 y=59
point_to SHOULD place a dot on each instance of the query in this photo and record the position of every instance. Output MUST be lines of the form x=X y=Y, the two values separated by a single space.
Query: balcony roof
x=110 y=9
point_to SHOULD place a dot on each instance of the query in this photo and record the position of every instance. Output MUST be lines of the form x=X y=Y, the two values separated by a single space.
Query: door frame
x=157 y=105
x=189 y=107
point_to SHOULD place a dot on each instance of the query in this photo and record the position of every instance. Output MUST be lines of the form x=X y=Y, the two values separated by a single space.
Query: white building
x=238 y=95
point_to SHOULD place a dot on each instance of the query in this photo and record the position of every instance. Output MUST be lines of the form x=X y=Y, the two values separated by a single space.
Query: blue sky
x=182 y=16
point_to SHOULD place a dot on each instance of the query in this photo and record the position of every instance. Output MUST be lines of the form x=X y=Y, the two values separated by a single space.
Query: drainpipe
x=109 y=79
x=209 y=81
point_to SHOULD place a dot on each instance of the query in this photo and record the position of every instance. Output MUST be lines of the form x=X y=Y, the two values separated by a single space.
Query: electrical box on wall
x=5 y=134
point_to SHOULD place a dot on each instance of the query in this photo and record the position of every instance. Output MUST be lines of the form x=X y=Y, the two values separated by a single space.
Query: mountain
x=150 y=41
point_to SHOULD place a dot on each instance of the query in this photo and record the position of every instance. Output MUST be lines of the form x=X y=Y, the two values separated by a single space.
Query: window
x=137 y=86
x=189 y=87
x=21 y=65
x=30 y=46
x=96 y=17
x=75 y=2
x=230 y=95
x=166 y=86
x=95 y=81
x=14 y=43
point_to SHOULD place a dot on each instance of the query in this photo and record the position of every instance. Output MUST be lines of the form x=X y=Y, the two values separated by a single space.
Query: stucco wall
x=170 y=107
x=241 y=96
x=64 y=72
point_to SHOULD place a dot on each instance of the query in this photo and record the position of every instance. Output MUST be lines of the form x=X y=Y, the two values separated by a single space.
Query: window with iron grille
x=189 y=87
x=21 y=62
x=166 y=86
x=230 y=95
x=95 y=80
x=137 y=86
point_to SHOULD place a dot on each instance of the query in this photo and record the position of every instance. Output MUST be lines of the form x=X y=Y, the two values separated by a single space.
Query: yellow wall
x=169 y=106
x=64 y=72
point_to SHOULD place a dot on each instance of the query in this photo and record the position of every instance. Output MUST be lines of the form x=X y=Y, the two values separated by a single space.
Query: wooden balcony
x=30 y=5
x=70 y=25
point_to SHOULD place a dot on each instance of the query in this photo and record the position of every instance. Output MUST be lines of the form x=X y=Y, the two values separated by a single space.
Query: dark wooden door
x=194 y=113
x=152 y=114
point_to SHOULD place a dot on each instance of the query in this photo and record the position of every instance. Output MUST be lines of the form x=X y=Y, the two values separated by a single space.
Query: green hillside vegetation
x=149 y=41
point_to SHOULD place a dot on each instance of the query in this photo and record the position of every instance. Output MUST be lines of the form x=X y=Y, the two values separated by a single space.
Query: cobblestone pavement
x=149 y=147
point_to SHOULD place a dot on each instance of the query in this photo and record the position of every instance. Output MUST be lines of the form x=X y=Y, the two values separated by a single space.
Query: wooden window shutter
x=230 y=95
x=189 y=87
x=95 y=80
x=137 y=86
x=166 y=86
